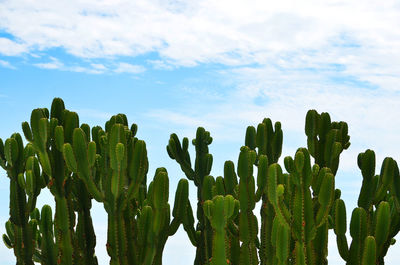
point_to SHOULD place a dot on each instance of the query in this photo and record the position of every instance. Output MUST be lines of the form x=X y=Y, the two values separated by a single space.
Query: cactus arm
x=247 y=220
x=382 y=225
x=218 y=211
x=85 y=231
x=366 y=162
x=137 y=170
x=340 y=228
x=369 y=253
x=358 y=231
x=77 y=161
x=48 y=246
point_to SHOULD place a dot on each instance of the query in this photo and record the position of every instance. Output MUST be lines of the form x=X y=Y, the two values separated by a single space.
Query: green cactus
x=48 y=246
x=198 y=175
x=49 y=132
x=218 y=211
x=298 y=208
x=25 y=184
x=248 y=227
x=376 y=221
x=326 y=139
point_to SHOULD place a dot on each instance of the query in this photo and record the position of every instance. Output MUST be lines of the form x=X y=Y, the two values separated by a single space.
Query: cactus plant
x=218 y=211
x=48 y=132
x=78 y=163
x=201 y=237
x=375 y=222
x=25 y=184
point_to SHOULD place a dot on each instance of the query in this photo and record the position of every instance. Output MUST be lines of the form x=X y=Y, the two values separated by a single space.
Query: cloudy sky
x=172 y=66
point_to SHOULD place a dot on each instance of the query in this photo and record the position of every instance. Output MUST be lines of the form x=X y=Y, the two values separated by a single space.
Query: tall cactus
x=248 y=227
x=201 y=237
x=308 y=212
x=326 y=140
x=267 y=141
x=25 y=184
x=377 y=219
x=113 y=167
x=218 y=211
x=110 y=165
x=48 y=133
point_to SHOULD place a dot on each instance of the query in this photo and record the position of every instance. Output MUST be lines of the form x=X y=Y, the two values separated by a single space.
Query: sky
x=172 y=66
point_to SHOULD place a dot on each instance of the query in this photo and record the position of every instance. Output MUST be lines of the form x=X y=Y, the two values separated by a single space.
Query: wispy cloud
x=53 y=64
x=161 y=64
x=90 y=68
x=129 y=68
x=286 y=94
x=11 y=48
x=6 y=64
x=191 y=32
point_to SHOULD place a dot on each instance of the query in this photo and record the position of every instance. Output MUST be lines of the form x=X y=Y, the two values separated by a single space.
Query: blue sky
x=172 y=66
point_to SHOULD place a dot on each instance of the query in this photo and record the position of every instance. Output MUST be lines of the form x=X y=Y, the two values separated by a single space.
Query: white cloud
x=161 y=64
x=53 y=64
x=11 y=48
x=6 y=64
x=129 y=68
x=98 y=66
x=56 y=64
x=363 y=37
x=285 y=95
x=189 y=32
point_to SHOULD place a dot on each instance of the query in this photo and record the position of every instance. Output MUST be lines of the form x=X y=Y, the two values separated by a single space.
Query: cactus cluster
x=110 y=165
x=79 y=164
x=376 y=220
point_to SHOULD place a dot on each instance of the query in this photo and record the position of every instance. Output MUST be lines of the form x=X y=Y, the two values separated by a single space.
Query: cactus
x=376 y=220
x=268 y=141
x=308 y=213
x=218 y=211
x=49 y=132
x=201 y=237
x=110 y=165
x=25 y=184
x=248 y=226
x=113 y=167
x=48 y=247
x=326 y=140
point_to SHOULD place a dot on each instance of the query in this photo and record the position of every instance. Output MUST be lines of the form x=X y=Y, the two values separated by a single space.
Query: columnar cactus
x=326 y=140
x=201 y=237
x=110 y=165
x=219 y=210
x=48 y=247
x=376 y=220
x=25 y=184
x=308 y=213
x=111 y=168
x=248 y=227
x=49 y=133
x=267 y=141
